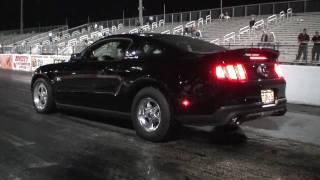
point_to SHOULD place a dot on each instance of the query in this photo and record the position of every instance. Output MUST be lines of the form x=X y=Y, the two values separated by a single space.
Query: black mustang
x=158 y=80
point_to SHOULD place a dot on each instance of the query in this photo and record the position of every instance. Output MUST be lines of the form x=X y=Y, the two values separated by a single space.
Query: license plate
x=267 y=96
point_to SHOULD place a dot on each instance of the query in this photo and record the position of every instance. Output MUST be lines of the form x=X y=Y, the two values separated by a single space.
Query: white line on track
x=14 y=140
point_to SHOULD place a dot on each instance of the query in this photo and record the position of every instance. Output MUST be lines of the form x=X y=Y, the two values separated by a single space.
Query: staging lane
x=77 y=145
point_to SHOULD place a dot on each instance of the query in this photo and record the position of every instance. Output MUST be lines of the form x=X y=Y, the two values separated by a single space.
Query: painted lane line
x=42 y=164
x=14 y=140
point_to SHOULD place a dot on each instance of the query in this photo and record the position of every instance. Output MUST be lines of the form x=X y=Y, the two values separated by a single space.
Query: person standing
x=316 y=47
x=252 y=22
x=226 y=16
x=50 y=37
x=303 y=40
x=264 y=37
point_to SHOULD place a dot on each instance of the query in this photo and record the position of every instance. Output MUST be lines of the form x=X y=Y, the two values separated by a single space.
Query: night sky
x=53 y=12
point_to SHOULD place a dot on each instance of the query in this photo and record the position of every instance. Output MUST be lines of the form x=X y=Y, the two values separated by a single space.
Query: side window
x=109 y=50
x=151 y=49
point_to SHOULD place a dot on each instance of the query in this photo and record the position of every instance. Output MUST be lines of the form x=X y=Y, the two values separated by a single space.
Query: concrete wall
x=303 y=84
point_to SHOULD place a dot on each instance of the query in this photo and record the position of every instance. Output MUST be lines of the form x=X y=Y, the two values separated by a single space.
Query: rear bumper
x=236 y=114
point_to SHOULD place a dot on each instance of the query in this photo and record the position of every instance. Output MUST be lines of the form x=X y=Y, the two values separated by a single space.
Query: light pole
x=141 y=12
x=221 y=4
x=164 y=11
x=123 y=16
x=21 y=16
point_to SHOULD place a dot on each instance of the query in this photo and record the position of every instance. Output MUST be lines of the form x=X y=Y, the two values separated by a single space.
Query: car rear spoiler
x=256 y=54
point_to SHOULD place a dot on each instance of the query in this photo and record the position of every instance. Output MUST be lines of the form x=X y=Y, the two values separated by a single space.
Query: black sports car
x=158 y=80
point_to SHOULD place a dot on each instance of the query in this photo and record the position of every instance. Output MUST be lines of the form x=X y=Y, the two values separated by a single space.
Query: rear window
x=190 y=44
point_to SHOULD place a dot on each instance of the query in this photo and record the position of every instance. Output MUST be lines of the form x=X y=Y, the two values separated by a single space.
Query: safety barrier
x=243 y=30
x=133 y=31
x=272 y=19
x=145 y=28
x=215 y=41
x=154 y=25
x=303 y=84
x=191 y=24
x=231 y=36
x=26 y=62
x=208 y=19
x=289 y=13
x=178 y=30
x=166 y=32
x=72 y=42
x=200 y=22
x=259 y=24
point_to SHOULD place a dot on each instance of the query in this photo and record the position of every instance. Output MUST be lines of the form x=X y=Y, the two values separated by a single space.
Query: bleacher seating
x=12 y=38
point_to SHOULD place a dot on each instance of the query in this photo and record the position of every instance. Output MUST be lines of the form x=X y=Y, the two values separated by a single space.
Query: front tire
x=42 y=96
x=151 y=115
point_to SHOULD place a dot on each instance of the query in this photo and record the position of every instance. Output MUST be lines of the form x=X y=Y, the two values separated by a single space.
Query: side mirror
x=75 y=57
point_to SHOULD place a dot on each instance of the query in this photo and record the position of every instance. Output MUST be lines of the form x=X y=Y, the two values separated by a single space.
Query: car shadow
x=223 y=135
x=227 y=135
x=97 y=118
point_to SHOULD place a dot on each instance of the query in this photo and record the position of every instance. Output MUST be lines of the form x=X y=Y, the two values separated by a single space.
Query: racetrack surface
x=73 y=145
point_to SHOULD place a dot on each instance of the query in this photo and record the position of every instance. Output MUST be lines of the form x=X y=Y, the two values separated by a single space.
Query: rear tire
x=42 y=97
x=151 y=115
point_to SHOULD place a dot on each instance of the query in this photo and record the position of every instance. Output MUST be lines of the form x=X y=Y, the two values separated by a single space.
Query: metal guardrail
x=199 y=16
x=43 y=35
x=31 y=30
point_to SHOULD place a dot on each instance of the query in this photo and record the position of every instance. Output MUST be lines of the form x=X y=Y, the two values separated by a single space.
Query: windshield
x=190 y=44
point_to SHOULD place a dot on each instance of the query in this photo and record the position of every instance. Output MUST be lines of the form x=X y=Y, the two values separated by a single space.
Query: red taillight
x=278 y=70
x=241 y=72
x=185 y=103
x=220 y=72
x=231 y=72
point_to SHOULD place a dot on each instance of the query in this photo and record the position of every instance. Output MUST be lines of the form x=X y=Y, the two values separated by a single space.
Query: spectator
x=86 y=43
x=264 y=37
x=252 y=22
x=316 y=47
x=50 y=37
x=141 y=30
x=186 y=31
x=226 y=16
x=271 y=37
x=221 y=17
x=303 y=40
x=150 y=20
x=193 y=31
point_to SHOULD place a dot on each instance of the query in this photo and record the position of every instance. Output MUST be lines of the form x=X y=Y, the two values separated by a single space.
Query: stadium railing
x=298 y=6
x=39 y=29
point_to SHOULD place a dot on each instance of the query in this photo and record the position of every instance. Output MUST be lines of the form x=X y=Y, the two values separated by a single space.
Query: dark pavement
x=77 y=145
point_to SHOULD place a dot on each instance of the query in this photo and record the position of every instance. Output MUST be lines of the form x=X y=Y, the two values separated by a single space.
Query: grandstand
x=285 y=20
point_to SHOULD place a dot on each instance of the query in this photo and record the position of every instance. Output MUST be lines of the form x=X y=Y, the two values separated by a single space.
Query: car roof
x=141 y=36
